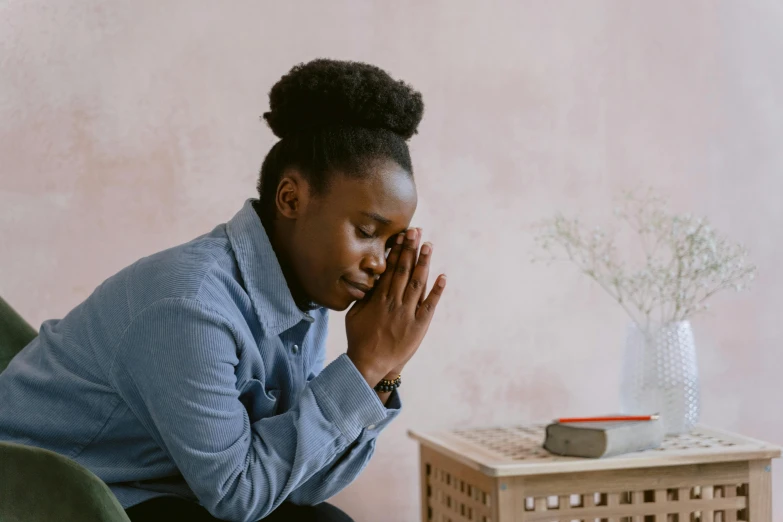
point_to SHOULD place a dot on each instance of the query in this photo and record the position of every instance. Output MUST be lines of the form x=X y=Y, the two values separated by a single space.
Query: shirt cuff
x=347 y=400
x=393 y=407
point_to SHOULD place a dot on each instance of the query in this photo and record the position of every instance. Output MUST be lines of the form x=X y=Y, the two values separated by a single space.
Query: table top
x=518 y=450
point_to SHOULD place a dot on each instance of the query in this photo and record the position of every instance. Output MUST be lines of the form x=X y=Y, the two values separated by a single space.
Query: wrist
x=371 y=374
x=394 y=372
x=393 y=375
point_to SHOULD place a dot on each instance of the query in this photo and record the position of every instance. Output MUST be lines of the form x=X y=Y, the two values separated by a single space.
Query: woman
x=192 y=382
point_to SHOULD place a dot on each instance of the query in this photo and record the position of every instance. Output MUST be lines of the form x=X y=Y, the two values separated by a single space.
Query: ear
x=292 y=194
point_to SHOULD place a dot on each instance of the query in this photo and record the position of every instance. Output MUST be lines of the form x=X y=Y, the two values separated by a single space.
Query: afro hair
x=324 y=93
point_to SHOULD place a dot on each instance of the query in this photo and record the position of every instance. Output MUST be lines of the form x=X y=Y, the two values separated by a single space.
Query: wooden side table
x=504 y=475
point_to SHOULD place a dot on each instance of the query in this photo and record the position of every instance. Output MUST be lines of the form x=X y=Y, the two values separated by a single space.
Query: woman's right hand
x=385 y=329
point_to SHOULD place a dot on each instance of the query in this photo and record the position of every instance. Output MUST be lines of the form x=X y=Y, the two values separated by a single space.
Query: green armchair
x=40 y=485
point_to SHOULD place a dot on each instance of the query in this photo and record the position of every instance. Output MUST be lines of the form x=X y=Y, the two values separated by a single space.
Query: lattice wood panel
x=453 y=498
x=454 y=493
x=721 y=503
x=451 y=495
x=525 y=443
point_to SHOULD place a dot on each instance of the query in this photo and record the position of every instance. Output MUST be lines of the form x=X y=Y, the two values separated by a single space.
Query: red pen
x=618 y=418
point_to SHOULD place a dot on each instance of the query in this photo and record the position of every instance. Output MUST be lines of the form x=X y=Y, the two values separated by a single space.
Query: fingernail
x=426 y=248
x=400 y=237
x=411 y=233
x=442 y=281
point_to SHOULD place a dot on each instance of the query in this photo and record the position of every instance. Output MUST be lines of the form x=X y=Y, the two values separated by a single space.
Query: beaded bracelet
x=387 y=385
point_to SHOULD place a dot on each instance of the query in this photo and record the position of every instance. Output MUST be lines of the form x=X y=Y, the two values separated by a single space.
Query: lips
x=357 y=290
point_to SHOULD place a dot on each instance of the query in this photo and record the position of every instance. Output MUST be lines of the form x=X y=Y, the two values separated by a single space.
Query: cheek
x=351 y=248
x=333 y=254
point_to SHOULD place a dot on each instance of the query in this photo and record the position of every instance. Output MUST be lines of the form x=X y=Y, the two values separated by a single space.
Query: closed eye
x=363 y=233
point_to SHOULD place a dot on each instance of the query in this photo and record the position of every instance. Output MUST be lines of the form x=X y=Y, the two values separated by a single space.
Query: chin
x=335 y=298
x=338 y=303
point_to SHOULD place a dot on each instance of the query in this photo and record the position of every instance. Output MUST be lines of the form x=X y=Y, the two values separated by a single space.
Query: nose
x=374 y=263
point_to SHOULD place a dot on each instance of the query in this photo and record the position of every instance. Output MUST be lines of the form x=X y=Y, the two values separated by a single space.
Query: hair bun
x=324 y=93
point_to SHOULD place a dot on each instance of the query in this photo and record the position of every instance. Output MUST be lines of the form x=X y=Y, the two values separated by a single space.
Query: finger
x=415 y=289
x=384 y=283
x=427 y=308
x=402 y=273
x=424 y=288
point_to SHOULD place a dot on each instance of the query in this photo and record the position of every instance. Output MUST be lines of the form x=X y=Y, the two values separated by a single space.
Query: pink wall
x=127 y=127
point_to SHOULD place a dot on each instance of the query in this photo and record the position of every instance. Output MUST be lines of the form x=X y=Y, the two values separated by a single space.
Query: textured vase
x=660 y=375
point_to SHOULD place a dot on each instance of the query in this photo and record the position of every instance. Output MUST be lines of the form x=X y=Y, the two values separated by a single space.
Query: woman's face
x=340 y=238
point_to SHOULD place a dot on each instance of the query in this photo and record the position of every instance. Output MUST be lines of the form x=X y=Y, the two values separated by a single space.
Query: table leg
x=760 y=491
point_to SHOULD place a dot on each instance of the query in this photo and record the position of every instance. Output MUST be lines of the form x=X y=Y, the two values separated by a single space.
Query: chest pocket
x=258 y=402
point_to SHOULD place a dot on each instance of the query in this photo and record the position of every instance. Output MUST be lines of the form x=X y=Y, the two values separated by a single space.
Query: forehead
x=386 y=189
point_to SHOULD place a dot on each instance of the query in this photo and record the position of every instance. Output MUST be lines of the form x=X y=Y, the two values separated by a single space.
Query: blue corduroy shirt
x=193 y=372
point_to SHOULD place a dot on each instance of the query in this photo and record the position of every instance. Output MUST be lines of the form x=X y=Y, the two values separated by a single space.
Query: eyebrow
x=377 y=217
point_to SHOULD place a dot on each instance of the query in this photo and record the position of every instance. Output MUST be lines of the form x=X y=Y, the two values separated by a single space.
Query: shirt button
x=295 y=348
x=371 y=427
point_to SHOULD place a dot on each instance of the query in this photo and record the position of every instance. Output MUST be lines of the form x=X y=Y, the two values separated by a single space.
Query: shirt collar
x=264 y=281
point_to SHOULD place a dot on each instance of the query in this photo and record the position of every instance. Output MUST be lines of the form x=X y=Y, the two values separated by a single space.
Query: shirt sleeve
x=175 y=370
x=347 y=465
